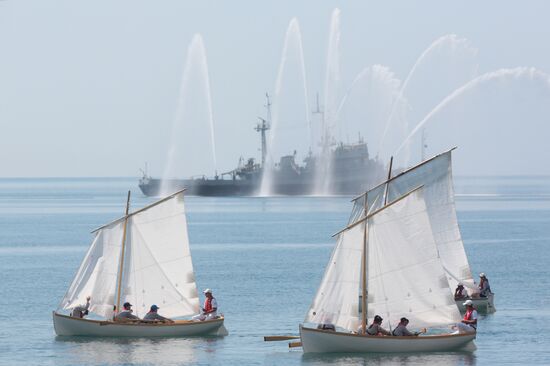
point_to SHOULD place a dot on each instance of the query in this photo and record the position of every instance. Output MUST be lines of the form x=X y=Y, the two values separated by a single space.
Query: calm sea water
x=264 y=258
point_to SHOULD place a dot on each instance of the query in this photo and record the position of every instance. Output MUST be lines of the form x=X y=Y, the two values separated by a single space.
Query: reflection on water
x=444 y=358
x=116 y=351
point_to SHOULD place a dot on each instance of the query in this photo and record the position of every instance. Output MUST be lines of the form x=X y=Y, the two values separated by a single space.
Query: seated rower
x=484 y=288
x=126 y=314
x=402 y=331
x=81 y=311
x=153 y=315
x=375 y=329
x=469 y=322
x=209 y=311
x=460 y=292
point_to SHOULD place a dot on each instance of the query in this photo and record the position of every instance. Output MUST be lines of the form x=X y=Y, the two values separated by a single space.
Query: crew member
x=80 y=311
x=210 y=307
x=153 y=315
x=469 y=322
x=126 y=314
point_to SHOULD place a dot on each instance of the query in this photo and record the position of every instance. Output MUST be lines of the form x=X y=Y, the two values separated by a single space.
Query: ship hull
x=69 y=326
x=326 y=341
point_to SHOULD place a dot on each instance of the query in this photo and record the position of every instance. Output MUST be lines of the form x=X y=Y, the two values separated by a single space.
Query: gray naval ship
x=341 y=168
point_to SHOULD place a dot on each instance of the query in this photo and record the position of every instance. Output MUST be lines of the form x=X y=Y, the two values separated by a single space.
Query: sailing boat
x=142 y=258
x=389 y=254
x=435 y=175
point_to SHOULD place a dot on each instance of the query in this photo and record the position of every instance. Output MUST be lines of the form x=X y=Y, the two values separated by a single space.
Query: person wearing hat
x=469 y=322
x=210 y=307
x=153 y=315
x=126 y=314
x=484 y=288
x=402 y=331
x=80 y=311
x=460 y=292
x=375 y=329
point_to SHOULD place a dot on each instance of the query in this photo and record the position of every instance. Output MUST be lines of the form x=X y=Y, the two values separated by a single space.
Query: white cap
x=207 y=291
x=482 y=274
x=468 y=302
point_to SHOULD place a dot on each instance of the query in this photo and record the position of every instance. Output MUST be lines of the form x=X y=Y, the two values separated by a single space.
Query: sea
x=263 y=258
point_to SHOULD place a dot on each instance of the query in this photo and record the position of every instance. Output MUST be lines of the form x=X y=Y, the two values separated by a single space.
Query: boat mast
x=386 y=191
x=119 y=274
x=263 y=126
x=364 y=274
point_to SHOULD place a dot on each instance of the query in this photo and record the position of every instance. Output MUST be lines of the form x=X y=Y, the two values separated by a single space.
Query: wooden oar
x=294 y=344
x=279 y=338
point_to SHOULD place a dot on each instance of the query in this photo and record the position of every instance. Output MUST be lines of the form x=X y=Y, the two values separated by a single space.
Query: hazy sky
x=91 y=88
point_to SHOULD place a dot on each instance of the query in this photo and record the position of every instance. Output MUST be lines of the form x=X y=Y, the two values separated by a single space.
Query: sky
x=94 y=88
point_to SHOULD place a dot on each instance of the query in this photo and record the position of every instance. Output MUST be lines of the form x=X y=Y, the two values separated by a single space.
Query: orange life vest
x=468 y=315
x=207 y=305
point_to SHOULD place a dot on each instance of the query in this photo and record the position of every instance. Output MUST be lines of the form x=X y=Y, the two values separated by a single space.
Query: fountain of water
x=446 y=64
x=193 y=126
x=372 y=96
x=288 y=134
x=323 y=173
x=490 y=116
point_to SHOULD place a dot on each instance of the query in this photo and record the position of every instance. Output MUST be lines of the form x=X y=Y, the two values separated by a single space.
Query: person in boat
x=153 y=315
x=81 y=311
x=484 y=288
x=375 y=329
x=469 y=322
x=402 y=331
x=210 y=308
x=126 y=314
x=460 y=292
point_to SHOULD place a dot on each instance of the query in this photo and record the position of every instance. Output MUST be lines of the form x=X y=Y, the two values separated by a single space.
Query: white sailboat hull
x=325 y=341
x=69 y=326
x=483 y=305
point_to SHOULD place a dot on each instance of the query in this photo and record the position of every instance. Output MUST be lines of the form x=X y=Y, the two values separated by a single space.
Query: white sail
x=405 y=274
x=97 y=275
x=157 y=264
x=336 y=301
x=435 y=176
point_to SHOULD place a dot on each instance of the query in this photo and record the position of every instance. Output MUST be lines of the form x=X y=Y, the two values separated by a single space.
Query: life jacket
x=468 y=316
x=208 y=305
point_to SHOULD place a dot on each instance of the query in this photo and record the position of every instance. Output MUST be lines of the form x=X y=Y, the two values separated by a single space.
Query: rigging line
x=403 y=173
x=378 y=211
x=141 y=209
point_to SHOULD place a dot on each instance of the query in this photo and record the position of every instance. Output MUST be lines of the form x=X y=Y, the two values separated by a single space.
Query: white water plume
x=491 y=116
x=289 y=131
x=449 y=62
x=332 y=94
x=193 y=126
x=364 y=109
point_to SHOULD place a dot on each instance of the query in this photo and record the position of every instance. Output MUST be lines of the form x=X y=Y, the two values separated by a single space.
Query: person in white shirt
x=469 y=322
x=209 y=309
x=81 y=311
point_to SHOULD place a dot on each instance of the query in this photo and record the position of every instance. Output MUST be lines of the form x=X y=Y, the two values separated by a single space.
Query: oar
x=279 y=338
x=294 y=344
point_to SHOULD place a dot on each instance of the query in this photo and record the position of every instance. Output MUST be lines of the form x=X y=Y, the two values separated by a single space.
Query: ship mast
x=263 y=126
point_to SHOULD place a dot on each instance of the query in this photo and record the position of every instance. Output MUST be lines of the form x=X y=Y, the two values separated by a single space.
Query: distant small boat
x=390 y=255
x=142 y=258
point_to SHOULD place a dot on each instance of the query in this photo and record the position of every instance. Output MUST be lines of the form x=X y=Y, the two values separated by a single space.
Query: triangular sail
x=97 y=274
x=405 y=275
x=435 y=176
x=336 y=301
x=157 y=265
